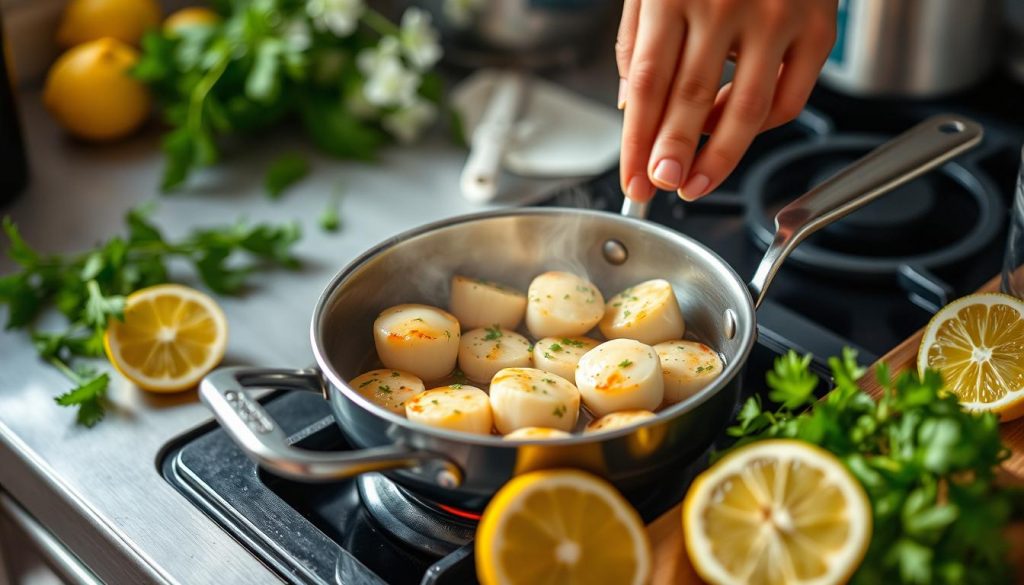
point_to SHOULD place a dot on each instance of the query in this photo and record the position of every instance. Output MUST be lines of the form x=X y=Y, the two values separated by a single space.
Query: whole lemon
x=189 y=17
x=90 y=93
x=125 y=20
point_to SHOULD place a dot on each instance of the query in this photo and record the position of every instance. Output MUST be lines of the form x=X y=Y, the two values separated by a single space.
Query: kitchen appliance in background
x=912 y=48
x=13 y=159
x=531 y=34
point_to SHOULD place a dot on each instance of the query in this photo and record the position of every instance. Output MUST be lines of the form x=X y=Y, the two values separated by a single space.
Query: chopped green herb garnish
x=559 y=411
x=492 y=333
x=616 y=304
x=555 y=347
x=448 y=334
x=549 y=356
x=548 y=380
x=455 y=386
x=419 y=319
x=368 y=382
x=530 y=348
x=572 y=342
x=626 y=313
x=625 y=364
x=434 y=402
x=384 y=388
x=395 y=374
x=566 y=297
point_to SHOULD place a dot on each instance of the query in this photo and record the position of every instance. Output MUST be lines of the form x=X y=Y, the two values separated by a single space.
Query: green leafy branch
x=927 y=465
x=89 y=289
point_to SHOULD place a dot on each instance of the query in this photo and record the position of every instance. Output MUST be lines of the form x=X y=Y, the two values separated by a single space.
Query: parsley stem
x=379 y=23
x=202 y=89
x=66 y=370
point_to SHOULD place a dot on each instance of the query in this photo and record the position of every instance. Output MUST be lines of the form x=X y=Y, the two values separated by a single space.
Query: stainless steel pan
x=512 y=246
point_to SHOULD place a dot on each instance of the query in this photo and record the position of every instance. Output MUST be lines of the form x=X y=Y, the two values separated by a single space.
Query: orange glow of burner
x=459 y=513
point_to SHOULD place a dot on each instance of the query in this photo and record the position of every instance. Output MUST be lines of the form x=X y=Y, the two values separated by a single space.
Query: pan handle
x=905 y=157
x=250 y=426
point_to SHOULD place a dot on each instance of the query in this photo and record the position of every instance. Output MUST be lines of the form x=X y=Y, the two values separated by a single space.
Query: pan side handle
x=262 y=439
x=905 y=157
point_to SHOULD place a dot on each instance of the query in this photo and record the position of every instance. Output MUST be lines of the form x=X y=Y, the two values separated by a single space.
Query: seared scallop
x=560 y=355
x=480 y=303
x=533 y=433
x=621 y=374
x=418 y=339
x=686 y=366
x=455 y=407
x=647 y=312
x=618 y=420
x=482 y=352
x=527 y=397
x=560 y=304
x=388 y=388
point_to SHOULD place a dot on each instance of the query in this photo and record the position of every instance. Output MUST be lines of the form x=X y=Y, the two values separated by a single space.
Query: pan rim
x=746 y=328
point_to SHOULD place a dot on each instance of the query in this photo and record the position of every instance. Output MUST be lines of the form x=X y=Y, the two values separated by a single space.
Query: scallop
x=561 y=304
x=532 y=433
x=418 y=339
x=388 y=388
x=618 y=420
x=621 y=374
x=480 y=303
x=482 y=352
x=560 y=355
x=647 y=312
x=686 y=366
x=455 y=408
x=527 y=397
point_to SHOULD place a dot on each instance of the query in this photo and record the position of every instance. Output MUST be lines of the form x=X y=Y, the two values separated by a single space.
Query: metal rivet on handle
x=729 y=325
x=615 y=252
x=445 y=478
x=951 y=127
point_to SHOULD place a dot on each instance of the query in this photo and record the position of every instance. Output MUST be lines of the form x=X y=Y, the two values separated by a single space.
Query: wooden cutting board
x=671 y=564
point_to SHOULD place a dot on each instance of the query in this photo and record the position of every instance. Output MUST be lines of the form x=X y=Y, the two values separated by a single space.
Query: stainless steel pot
x=464 y=470
x=916 y=48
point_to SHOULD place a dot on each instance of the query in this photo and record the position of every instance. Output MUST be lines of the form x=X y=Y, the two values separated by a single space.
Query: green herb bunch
x=349 y=76
x=927 y=465
x=89 y=289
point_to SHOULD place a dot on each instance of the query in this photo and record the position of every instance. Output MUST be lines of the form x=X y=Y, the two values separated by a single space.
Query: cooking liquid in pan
x=372 y=362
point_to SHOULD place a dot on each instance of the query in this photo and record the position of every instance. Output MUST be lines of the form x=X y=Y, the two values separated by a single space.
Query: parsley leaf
x=285 y=172
x=492 y=333
x=88 y=396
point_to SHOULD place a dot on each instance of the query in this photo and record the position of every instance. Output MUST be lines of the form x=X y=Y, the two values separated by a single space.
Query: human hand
x=670 y=55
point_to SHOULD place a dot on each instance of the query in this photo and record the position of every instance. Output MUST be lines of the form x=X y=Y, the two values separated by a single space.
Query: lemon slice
x=170 y=338
x=977 y=342
x=776 y=512
x=561 y=527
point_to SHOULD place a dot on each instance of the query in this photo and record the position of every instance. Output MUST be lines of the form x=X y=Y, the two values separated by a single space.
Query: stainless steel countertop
x=98 y=490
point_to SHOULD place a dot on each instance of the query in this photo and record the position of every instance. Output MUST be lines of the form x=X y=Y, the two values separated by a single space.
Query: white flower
x=419 y=39
x=391 y=84
x=407 y=124
x=338 y=16
x=372 y=58
x=460 y=12
x=296 y=35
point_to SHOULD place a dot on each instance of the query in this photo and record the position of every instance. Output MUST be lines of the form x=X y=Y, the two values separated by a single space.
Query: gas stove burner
x=429 y=528
x=934 y=221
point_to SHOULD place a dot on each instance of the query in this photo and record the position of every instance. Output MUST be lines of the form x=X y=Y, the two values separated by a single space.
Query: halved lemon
x=170 y=338
x=561 y=527
x=977 y=342
x=776 y=512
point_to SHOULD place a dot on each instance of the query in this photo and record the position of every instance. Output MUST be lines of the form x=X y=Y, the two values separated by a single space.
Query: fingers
x=624 y=42
x=746 y=109
x=690 y=99
x=799 y=73
x=659 y=39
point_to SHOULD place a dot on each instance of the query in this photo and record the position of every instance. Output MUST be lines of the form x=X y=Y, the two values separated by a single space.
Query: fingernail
x=668 y=174
x=639 y=188
x=622 y=94
x=694 y=187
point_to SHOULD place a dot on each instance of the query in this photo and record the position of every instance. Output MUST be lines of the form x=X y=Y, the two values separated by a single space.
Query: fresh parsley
x=284 y=172
x=927 y=465
x=89 y=289
x=492 y=333
x=625 y=363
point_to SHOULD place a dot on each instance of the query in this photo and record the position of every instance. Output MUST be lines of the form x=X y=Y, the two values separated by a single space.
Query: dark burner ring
x=982 y=192
x=411 y=520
